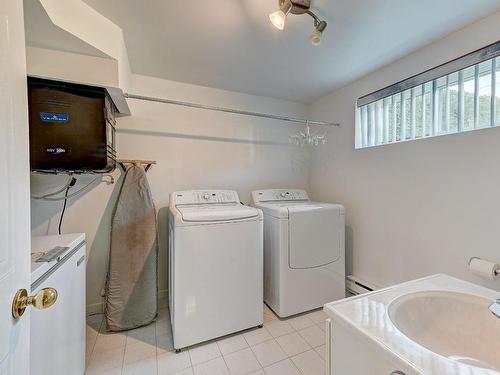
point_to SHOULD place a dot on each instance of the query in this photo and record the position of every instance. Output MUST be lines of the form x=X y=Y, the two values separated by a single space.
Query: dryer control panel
x=272 y=195
x=203 y=197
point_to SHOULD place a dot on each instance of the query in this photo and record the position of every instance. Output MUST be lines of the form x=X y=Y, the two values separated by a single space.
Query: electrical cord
x=66 y=184
x=71 y=184
x=78 y=192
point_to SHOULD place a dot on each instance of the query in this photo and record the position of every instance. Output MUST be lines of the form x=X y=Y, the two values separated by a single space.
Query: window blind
x=461 y=95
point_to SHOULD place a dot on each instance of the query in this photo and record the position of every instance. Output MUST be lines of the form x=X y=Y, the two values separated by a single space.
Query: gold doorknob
x=45 y=298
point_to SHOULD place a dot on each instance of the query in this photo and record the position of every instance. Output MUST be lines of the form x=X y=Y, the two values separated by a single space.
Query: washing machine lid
x=214 y=213
x=316 y=234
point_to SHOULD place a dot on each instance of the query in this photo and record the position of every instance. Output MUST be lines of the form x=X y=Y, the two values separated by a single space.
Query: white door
x=14 y=189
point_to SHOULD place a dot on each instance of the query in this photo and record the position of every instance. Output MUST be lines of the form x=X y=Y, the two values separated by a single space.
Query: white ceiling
x=230 y=44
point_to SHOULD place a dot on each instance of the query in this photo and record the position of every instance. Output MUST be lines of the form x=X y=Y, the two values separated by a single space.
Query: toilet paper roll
x=484 y=268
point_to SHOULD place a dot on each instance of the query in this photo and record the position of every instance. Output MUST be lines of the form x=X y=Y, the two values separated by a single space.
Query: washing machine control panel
x=205 y=196
x=279 y=195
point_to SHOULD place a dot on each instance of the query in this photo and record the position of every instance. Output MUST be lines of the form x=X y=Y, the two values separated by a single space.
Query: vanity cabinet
x=349 y=353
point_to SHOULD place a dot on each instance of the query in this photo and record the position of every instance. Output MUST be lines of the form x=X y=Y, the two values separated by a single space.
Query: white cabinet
x=58 y=334
x=352 y=354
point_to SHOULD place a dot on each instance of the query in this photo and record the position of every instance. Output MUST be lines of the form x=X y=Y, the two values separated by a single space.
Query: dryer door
x=316 y=235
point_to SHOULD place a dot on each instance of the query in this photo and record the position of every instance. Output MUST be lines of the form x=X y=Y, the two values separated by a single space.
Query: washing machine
x=215 y=266
x=304 y=251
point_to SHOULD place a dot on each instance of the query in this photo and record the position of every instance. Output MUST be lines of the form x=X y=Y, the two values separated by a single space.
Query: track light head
x=278 y=18
x=316 y=35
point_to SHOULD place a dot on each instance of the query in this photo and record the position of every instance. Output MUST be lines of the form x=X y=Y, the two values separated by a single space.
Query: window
x=458 y=96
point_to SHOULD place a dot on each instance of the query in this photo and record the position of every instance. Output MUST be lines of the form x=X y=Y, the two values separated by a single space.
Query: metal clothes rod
x=228 y=110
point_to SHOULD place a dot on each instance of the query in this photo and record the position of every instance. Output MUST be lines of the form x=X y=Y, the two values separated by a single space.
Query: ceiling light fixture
x=298 y=7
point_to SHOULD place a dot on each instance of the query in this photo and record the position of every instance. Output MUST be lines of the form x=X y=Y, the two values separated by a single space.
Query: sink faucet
x=495 y=308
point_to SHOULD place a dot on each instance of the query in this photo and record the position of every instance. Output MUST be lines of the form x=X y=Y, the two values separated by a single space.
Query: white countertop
x=367 y=315
x=42 y=244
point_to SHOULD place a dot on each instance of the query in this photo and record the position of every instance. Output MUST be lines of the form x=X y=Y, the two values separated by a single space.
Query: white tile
x=258 y=372
x=285 y=367
x=105 y=360
x=318 y=316
x=147 y=366
x=215 y=366
x=138 y=351
x=257 y=336
x=321 y=350
x=164 y=343
x=204 y=353
x=145 y=334
x=95 y=321
x=232 y=344
x=104 y=327
x=322 y=326
x=163 y=303
x=91 y=333
x=269 y=315
x=163 y=314
x=163 y=327
x=293 y=344
x=188 y=371
x=116 y=371
x=266 y=308
x=242 y=362
x=268 y=352
x=269 y=318
x=279 y=328
x=300 y=322
x=309 y=363
x=87 y=358
x=89 y=345
x=107 y=341
x=313 y=335
x=170 y=362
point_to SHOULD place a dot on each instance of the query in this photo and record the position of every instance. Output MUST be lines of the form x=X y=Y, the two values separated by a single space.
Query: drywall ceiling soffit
x=63 y=26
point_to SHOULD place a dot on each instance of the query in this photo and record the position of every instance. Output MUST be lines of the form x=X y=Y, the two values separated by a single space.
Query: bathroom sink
x=455 y=325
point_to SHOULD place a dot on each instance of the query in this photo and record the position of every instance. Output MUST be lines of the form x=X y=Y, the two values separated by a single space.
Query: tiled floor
x=283 y=347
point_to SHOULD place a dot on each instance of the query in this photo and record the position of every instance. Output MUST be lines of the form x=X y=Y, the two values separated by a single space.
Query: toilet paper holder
x=496 y=272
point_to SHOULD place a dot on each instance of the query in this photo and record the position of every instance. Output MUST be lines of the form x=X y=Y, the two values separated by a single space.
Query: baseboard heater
x=355 y=286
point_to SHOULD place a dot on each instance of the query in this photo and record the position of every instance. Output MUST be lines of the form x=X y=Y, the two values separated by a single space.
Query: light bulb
x=315 y=37
x=278 y=19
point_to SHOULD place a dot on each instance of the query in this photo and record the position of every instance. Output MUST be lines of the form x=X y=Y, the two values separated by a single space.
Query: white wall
x=194 y=149
x=414 y=208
